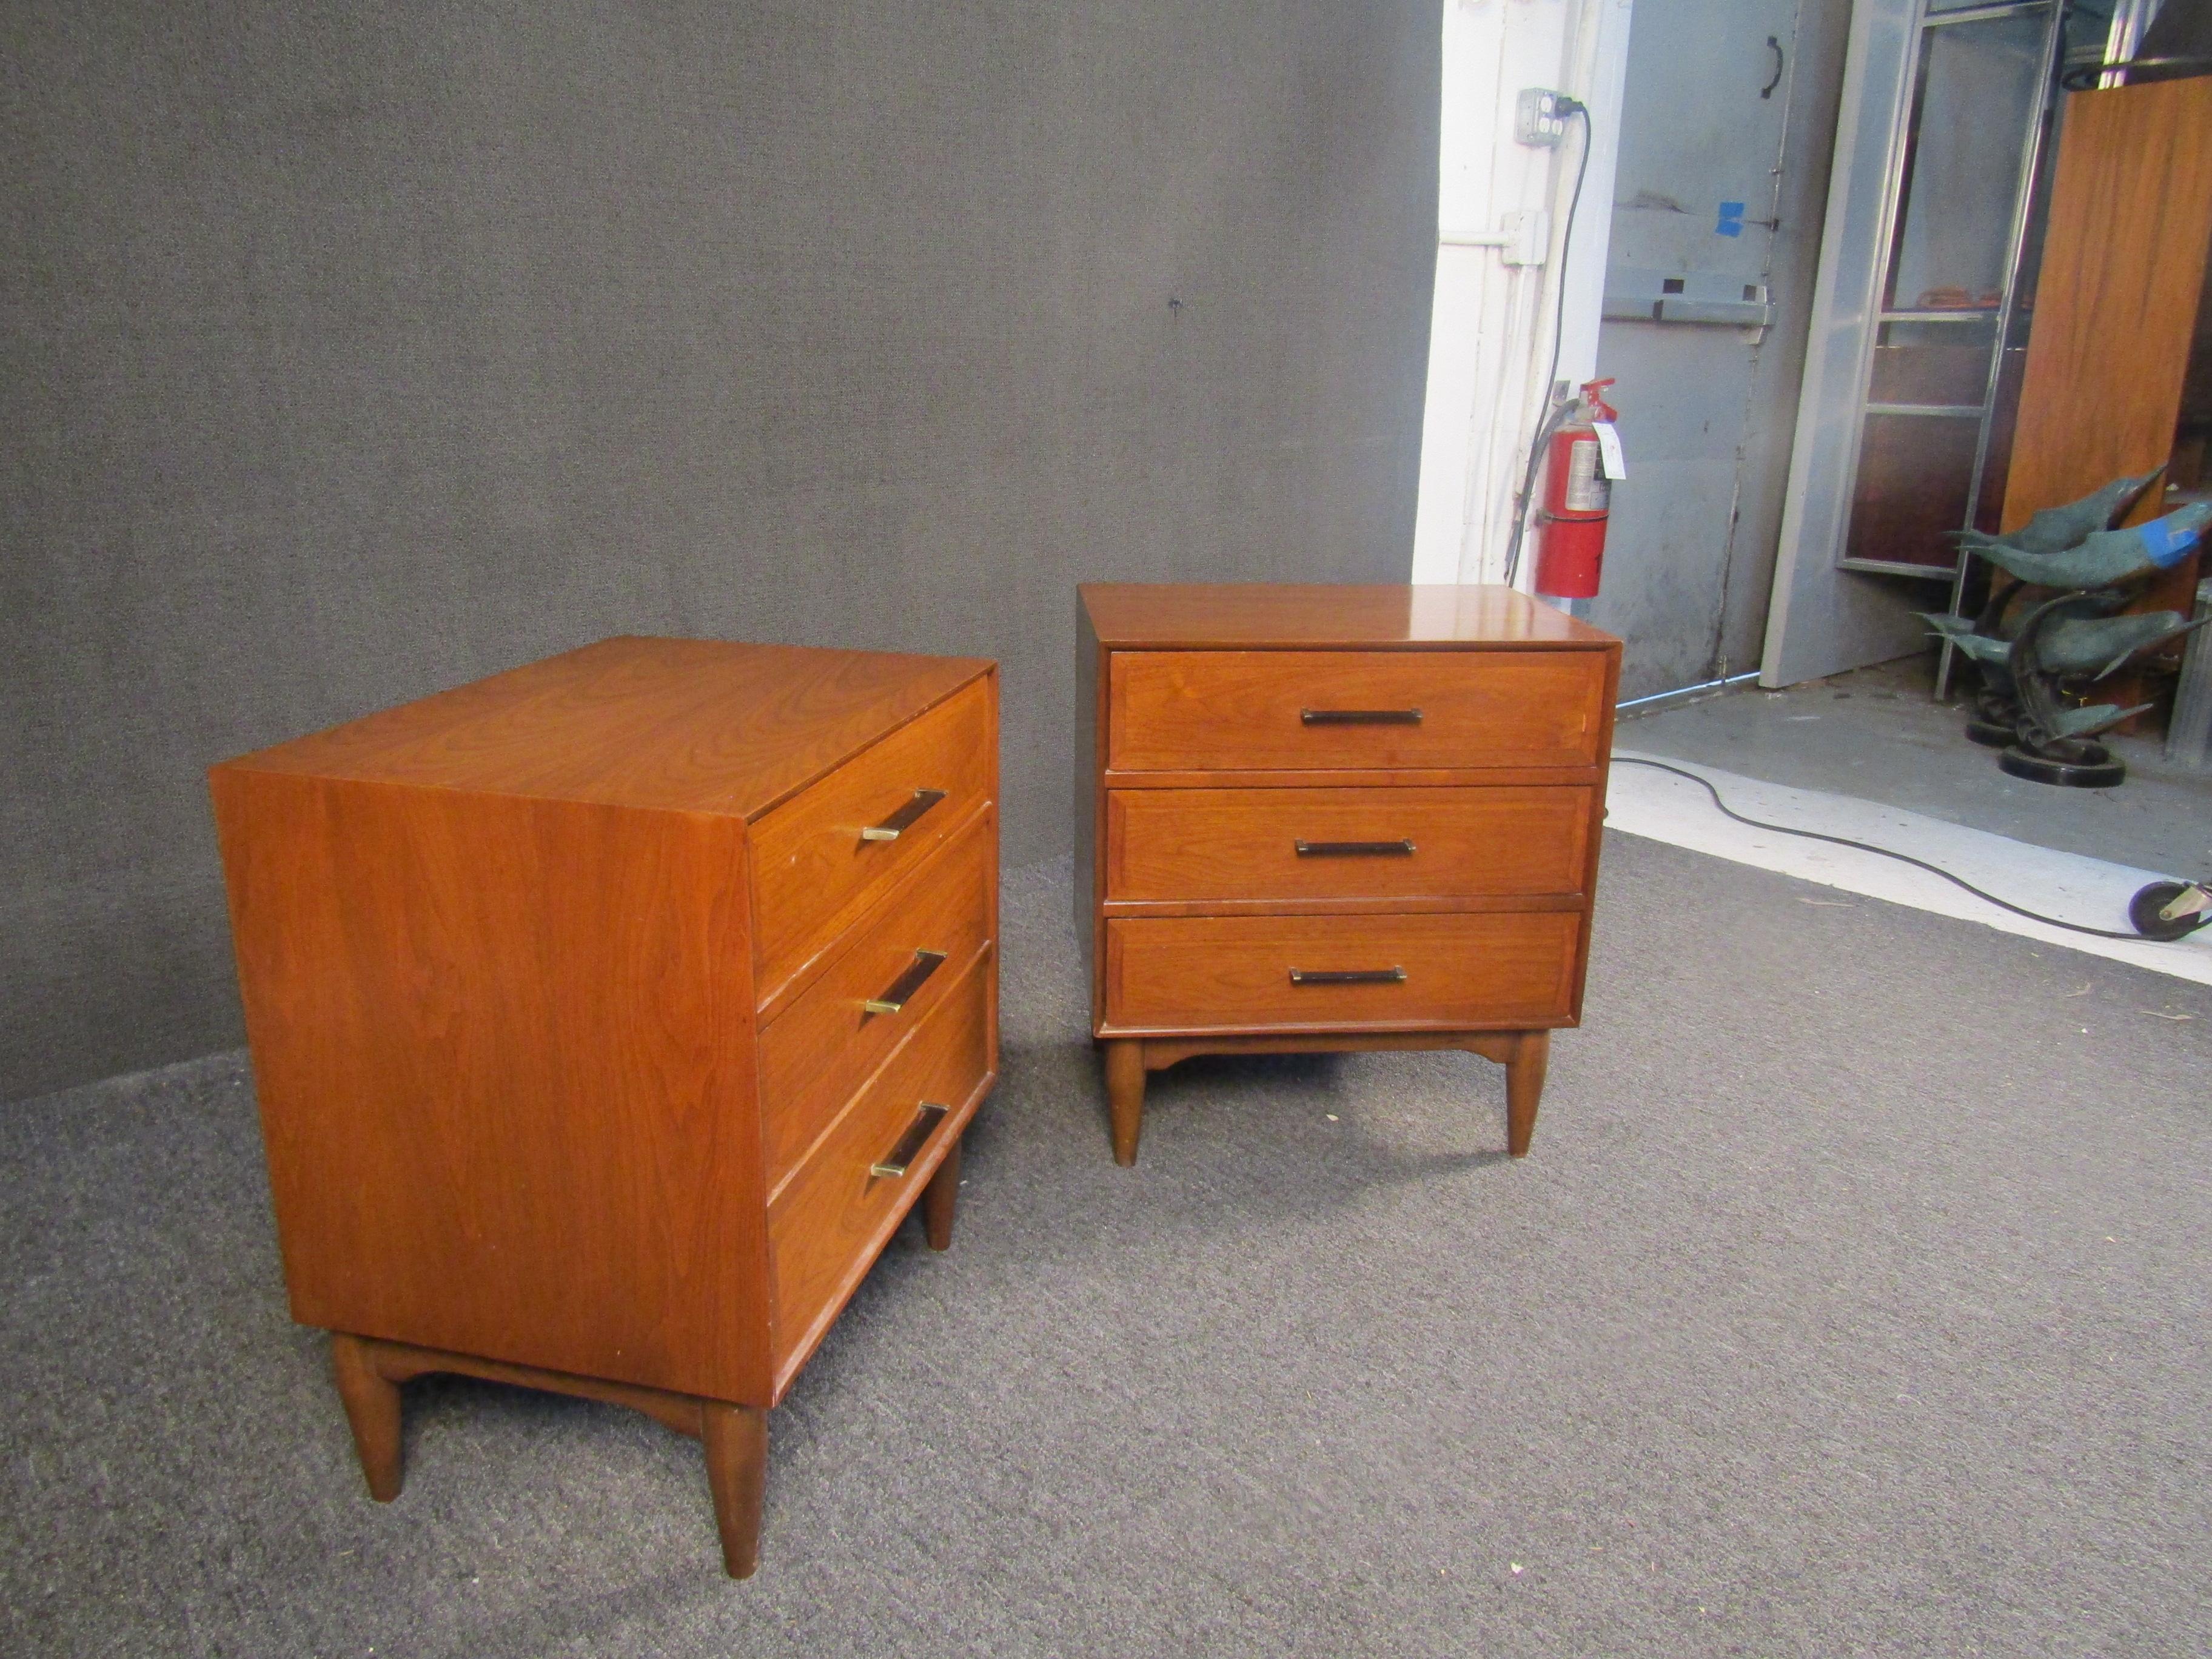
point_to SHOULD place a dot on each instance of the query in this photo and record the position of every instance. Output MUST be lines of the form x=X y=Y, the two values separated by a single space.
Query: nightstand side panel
x=504 y=1050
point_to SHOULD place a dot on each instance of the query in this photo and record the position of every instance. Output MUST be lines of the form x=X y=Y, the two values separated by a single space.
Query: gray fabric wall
x=353 y=353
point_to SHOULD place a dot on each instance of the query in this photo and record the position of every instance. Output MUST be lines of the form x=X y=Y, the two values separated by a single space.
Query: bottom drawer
x=1289 y=973
x=830 y=1219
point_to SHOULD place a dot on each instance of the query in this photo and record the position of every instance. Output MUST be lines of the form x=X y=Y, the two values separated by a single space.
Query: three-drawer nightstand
x=1335 y=817
x=608 y=1016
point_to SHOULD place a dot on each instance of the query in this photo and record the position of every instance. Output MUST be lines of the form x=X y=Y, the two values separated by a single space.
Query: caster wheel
x=2143 y=913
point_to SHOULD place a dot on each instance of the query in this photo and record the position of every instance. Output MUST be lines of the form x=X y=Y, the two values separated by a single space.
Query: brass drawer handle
x=903 y=820
x=1353 y=849
x=901 y=990
x=927 y=1116
x=1347 y=975
x=1360 y=716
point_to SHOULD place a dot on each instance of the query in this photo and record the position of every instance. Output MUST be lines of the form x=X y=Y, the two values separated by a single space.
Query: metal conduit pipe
x=1683 y=691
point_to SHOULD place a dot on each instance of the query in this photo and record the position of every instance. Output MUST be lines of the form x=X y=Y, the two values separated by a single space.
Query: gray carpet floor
x=1853 y=1302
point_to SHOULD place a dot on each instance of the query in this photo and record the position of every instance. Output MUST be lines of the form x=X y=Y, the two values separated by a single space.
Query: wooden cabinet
x=2119 y=308
x=608 y=1016
x=1336 y=817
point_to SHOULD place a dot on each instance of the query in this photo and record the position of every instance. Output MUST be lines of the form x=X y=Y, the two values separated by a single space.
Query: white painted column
x=1490 y=337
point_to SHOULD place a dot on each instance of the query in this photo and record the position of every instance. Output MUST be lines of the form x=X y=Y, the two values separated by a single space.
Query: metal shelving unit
x=1961 y=187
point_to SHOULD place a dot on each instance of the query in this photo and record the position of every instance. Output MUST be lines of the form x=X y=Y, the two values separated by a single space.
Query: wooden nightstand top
x=701 y=725
x=1258 y=616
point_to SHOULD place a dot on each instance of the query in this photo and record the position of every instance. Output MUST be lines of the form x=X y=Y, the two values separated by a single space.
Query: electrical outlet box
x=1537 y=117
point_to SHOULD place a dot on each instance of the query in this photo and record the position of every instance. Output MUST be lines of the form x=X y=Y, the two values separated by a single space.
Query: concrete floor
x=1876 y=733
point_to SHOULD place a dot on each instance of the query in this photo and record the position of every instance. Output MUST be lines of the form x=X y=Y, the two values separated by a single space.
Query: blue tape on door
x=1731 y=220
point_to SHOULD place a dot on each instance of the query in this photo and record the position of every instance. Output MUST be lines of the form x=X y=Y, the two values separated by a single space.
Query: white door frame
x=1821 y=620
x=1490 y=336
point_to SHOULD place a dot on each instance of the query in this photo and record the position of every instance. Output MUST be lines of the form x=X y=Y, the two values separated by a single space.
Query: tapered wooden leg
x=735 y=1438
x=372 y=1407
x=1124 y=1096
x=1524 y=1087
x=939 y=1198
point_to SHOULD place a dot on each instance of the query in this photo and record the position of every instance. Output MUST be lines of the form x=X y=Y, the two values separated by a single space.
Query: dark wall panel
x=351 y=353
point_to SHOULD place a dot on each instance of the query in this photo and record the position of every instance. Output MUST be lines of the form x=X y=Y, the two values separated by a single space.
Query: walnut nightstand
x=1335 y=817
x=608 y=1016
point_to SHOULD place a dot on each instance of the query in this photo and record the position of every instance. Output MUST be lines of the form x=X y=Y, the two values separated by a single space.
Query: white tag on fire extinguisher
x=1608 y=449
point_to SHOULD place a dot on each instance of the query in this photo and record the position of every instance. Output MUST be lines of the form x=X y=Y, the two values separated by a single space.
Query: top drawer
x=1353 y=710
x=819 y=859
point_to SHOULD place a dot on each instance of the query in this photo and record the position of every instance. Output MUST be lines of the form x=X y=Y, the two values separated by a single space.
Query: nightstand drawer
x=818 y=859
x=1353 y=710
x=912 y=950
x=1317 y=844
x=1290 y=974
x=827 y=1224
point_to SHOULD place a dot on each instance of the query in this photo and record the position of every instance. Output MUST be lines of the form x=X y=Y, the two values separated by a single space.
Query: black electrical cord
x=2087 y=77
x=1569 y=107
x=1869 y=847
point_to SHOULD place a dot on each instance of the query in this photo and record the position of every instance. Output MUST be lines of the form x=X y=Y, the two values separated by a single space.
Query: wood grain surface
x=823 y=1047
x=522 y=1097
x=1233 y=711
x=1210 y=845
x=1233 y=973
x=1197 y=773
x=503 y=1048
x=830 y=1221
x=2124 y=260
x=813 y=872
x=1126 y=616
x=680 y=725
x=1399 y=777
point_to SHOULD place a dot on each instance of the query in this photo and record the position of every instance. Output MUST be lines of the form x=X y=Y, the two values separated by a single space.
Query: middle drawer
x=1293 y=844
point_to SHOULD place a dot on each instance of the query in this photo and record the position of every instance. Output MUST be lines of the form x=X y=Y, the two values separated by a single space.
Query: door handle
x=1353 y=849
x=900 y=991
x=1360 y=716
x=903 y=820
x=896 y=1162
x=1347 y=975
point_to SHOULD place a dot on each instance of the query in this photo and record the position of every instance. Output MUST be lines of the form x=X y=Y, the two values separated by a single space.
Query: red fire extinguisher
x=1577 y=495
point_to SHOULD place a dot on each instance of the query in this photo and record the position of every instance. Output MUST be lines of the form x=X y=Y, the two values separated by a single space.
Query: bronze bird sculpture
x=2094 y=646
x=2055 y=529
x=1960 y=630
x=2109 y=556
x=2095 y=718
x=2072 y=634
x=2098 y=645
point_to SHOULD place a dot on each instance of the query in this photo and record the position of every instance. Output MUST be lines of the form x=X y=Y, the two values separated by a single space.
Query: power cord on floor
x=1869 y=847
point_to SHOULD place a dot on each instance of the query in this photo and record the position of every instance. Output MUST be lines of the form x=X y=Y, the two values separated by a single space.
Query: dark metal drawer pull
x=901 y=989
x=1360 y=716
x=903 y=820
x=1353 y=849
x=927 y=1116
x=1347 y=975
